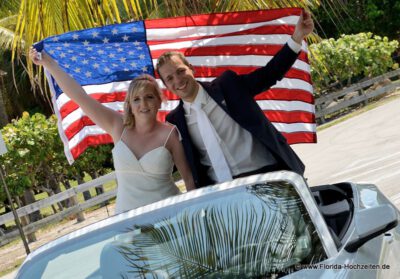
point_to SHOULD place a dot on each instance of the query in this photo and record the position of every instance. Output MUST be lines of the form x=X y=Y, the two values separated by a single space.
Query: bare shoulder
x=171 y=134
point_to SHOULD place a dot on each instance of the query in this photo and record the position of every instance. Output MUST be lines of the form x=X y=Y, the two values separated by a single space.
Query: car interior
x=335 y=202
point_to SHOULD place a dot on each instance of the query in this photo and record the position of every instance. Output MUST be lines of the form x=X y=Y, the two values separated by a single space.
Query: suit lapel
x=215 y=94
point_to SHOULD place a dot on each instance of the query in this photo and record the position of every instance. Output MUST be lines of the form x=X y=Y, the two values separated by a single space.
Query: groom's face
x=179 y=79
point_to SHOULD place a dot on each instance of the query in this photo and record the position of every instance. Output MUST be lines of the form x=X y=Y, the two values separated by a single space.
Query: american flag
x=104 y=60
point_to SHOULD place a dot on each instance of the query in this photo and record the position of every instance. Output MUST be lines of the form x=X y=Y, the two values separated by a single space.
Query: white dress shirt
x=242 y=151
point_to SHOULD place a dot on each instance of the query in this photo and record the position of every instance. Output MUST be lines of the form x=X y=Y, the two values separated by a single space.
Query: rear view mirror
x=370 y=223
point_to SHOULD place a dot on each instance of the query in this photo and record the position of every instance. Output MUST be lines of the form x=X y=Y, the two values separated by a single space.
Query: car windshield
x=260 y=231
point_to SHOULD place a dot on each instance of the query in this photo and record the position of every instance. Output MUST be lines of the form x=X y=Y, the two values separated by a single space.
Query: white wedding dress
x=145 y=180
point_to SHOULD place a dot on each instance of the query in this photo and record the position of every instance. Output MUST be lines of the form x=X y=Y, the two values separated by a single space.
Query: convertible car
x=263 y=226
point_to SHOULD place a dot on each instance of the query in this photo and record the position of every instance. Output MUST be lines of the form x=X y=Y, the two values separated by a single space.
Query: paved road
x=365 y=148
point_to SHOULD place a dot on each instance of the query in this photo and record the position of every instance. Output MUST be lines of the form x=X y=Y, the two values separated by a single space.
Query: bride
x=145 y=149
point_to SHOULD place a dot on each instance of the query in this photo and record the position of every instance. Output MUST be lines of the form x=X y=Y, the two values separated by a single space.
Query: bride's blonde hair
x=139 y=84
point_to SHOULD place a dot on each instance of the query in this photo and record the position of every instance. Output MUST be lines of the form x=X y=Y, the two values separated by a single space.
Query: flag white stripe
x=111 y=87
x=194 y=31
x=289 y=83
x=276 y=39
x=78 y=113
x=243 y=60
x=285 y=105
x=295 y=127
x=169 y=105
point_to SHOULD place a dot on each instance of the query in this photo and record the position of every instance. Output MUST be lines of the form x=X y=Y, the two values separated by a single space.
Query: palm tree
x=8 y=20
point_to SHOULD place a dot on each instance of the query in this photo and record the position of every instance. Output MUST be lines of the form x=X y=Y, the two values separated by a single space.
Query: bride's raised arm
x=108 y=119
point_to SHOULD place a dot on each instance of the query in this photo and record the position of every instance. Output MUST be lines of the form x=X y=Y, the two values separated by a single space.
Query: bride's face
x=146 y=103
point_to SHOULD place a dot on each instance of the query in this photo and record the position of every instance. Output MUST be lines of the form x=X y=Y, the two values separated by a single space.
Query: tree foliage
x=35 y=158
x=380 y=17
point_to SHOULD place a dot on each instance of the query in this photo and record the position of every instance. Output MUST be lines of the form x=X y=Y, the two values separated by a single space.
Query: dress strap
x=170 y=132
x=123 y=132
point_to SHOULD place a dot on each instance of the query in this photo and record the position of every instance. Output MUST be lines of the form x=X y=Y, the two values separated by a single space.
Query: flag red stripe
x=290 y=116
x=265 y=50
x=278 y=94
x=71 y=106
x=222 y=18
x=273 y=116
x=78 y=125
x=284 y=94
x=300 y=137
x=90 y=141
x=203 y=71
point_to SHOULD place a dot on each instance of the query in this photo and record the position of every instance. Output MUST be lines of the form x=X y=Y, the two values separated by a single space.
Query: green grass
x=15 y=265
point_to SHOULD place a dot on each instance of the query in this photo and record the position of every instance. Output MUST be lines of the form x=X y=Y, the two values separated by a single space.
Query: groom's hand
x=304 y=27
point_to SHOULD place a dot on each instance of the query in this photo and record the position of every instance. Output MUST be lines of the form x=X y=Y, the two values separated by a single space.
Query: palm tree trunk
x=3 y=112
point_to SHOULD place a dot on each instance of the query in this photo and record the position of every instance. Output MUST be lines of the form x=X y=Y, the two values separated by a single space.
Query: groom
x=225 y=133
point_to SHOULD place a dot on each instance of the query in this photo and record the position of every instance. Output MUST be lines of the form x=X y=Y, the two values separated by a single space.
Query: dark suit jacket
x=235 y=94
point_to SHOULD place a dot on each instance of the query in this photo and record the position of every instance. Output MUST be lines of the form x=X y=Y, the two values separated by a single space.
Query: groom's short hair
x=166 y=56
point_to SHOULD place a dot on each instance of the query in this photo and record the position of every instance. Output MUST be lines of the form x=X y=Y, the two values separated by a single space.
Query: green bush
x=35 y=158
x=336 y=63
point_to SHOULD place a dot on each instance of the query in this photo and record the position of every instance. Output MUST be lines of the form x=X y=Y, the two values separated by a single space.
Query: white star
x=74 y=58
x=133 y=64
x=111 y=55
x=144 y=69
x=75 y=36
x=95 y=34
x=125 y=38
x=89 y=48
x=96 y=65
x=59 y=48
x=100 y=51
x=66 y=66
x=117 y=44
x=136 y=43
x=66 y=44
x=85 y=62
x=105 y=40
x=123 y=59
x=86 y=43
x=77 y=70
x=51 y=51
x=114 y=31
x=131 y=52
x=114 y=65
x=55 y=39
x=62 y=55
x=119 y=49
x=142 y=56
x=70 y=51
x=134 y=29
x=88 y=74
x=126 y=70
x=139 y=48
x=107 y=70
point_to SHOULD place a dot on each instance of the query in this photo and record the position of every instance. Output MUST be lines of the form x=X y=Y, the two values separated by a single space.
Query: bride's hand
x=39 y=58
